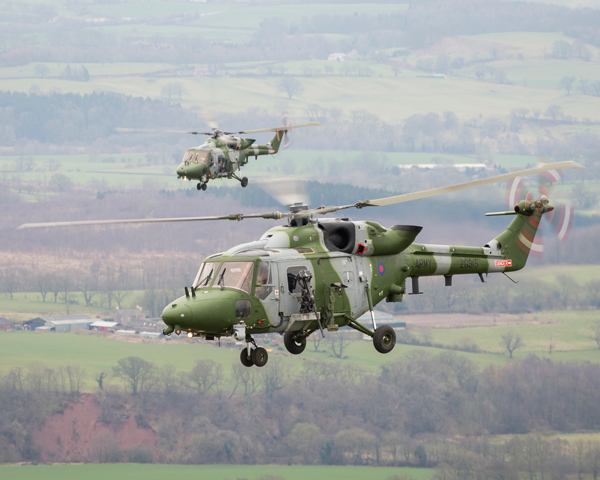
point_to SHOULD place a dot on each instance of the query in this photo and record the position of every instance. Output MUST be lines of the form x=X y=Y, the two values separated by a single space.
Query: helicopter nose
x=178 y=314
x=181 y=170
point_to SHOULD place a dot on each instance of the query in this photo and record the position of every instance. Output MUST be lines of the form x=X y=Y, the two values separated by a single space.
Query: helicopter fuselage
x=352 y=265
x=220 y=157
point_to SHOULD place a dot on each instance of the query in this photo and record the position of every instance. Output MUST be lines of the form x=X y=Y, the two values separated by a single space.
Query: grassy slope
x=97 y=353
x=208 y=472
x=392 y=98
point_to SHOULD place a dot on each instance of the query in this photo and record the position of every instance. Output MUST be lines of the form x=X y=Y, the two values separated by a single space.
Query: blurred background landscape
x=411 y=96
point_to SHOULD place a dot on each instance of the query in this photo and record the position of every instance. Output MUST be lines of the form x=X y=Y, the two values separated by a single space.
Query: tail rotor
x=560 y=218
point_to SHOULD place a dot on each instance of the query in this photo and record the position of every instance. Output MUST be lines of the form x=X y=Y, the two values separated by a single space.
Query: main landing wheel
x=293 y=345
x=199 y=186
x=260 y=357
x=244 y=181
x=204 y=186
x=246 y=362
x=384 y=339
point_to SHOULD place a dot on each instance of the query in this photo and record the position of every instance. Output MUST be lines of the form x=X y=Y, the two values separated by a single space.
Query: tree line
x=431 y=411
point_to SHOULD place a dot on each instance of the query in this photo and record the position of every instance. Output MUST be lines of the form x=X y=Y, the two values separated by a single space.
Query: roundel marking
x=296 y=238
x=381 y=268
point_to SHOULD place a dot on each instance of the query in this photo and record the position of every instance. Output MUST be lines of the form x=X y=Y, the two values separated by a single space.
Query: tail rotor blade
x=564 y=222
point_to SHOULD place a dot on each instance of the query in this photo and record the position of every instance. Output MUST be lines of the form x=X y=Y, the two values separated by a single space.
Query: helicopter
x=312 y=275
x=223 y=154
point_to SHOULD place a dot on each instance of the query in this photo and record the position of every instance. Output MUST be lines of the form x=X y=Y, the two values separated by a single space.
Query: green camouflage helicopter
x=222 y=155
x=313 y=275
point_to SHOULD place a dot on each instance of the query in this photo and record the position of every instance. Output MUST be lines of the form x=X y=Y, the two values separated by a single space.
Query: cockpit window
x=192 y=156
x=206 y=274
x=235 y=275
x=202 y=157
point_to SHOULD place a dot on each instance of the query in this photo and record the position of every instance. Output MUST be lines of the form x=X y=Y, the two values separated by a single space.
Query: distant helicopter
x=222 y=155
x=314 y=275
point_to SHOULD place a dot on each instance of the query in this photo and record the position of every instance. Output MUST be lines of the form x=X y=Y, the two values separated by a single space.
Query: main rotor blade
x=281 y=129
x=407 y=197
x=152 y=130
x=275 y=215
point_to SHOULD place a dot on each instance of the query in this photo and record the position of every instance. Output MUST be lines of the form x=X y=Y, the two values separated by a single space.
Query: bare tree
x=75 y=374
x=511 y=342
x=592 y=459
x=245 y=377
x=555 y=112
x=291 y=86
x=566 y=83
x=41 y=70
x=43 y=285
x=206 y=376
x=88 y=286
x=274 y=378
x=136 y=373
x=173 y=90
x=61 y=182
x=338 y=344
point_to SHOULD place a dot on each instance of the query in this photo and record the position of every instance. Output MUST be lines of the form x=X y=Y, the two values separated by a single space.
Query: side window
x=292 y=273
x=242 y=308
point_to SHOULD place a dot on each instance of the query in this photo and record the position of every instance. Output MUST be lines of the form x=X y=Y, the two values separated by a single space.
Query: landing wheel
x=246 y=362
x=204 y=186
x=244 y=181
x=294 y=345
x=199 y=186
x=384 y=339
x=260 y=357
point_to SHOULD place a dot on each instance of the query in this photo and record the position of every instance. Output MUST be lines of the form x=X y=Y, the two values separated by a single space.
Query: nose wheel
x=244 y=181
x=201 y=186
x=253 y=355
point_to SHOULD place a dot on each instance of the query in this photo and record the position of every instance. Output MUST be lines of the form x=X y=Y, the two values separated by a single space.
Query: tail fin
x=518 y=241
x=276 y=142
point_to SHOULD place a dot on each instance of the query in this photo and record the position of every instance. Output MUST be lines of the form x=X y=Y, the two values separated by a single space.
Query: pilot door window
x=264 y=281
x=237 y=275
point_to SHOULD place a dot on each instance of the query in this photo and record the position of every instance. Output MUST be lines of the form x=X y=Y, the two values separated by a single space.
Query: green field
x=544 y=73
x=132 y=171
x=391 y=98
x=98 y=353
x=571 y=333
x=209 y=472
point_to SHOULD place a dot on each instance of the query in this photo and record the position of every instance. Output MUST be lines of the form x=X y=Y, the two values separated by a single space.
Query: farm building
x=103 y=326
x=147 y=325
x=5 y=324
x=34 y=323
x=61 y=323
x=129 y=315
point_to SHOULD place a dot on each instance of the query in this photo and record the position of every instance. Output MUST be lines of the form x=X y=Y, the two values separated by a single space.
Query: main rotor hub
x=298 y=207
